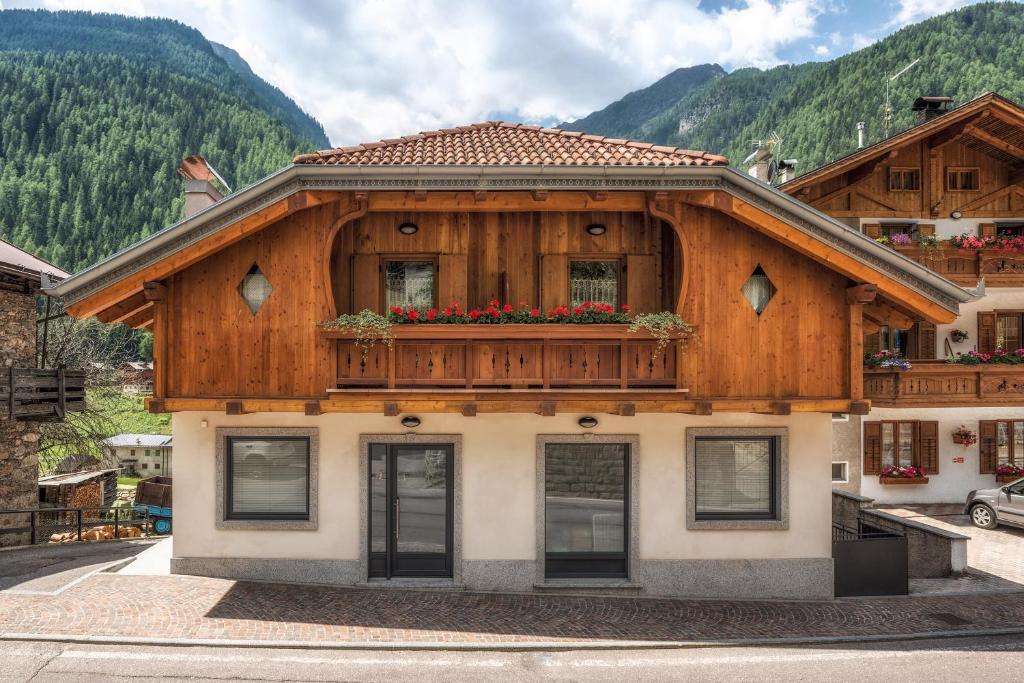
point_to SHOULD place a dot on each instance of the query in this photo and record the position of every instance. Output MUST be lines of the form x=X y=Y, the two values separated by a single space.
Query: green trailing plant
x=662 y=326
x=931 y=247
x=368 y=328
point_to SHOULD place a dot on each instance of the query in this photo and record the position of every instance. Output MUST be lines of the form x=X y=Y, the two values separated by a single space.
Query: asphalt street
x=995 y=658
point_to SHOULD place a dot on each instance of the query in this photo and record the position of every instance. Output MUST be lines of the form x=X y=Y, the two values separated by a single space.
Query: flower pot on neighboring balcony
x=1007 y=478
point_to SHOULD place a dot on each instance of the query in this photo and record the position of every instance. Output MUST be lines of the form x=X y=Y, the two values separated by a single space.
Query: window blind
x=734 y=478
x=268 y=478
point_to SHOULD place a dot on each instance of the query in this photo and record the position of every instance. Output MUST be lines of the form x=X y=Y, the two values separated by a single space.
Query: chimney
x=860 y=134
x=200 y=188
x=761 y=158
x=930 y=107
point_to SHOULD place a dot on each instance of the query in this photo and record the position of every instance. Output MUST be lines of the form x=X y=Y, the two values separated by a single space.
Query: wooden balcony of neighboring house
x=41 y=395
x=1000 y=268
x=937 y=383
x=553 y=360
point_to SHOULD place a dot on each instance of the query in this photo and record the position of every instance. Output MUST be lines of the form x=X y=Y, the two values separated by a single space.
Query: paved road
x=934 y=661
x=49 y=569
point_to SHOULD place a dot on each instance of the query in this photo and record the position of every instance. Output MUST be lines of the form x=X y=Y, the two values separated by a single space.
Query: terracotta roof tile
x=499 y=143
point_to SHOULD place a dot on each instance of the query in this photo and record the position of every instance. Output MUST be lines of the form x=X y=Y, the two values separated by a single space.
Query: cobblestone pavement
x=995 y=557
x=203 y=608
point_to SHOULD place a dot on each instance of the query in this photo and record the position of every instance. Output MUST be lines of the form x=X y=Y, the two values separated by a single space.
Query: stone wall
x=19 y=466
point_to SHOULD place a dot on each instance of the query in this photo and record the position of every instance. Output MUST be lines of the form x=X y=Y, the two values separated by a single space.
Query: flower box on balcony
x=902 y=481
x=1007 y=478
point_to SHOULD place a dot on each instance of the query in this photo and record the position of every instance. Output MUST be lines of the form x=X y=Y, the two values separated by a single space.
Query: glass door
x=410 y=510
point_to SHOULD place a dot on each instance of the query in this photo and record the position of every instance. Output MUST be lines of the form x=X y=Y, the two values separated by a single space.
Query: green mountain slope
x=96 y=112
x=815 y=107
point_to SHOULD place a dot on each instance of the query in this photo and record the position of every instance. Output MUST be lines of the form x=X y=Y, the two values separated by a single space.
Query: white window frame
x=846 y=471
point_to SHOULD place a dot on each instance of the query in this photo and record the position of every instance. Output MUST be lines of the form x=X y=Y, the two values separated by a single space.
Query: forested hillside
x=815 y=107
x=96 y=112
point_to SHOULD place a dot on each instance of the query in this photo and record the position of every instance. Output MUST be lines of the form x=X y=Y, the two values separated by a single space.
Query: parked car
x=1002 y=505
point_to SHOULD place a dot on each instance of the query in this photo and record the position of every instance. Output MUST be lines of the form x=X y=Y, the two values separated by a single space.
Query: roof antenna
x=887 y=111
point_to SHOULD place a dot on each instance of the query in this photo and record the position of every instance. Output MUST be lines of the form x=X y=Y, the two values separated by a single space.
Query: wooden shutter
x=453 y=279
x=872 y=343
x=554 y=281
x=986 y=331
x=873 y=230
x=642 y=283
x=928 y=446
x=987 y=229
x=987 y=447
x=926 y=341
x=366 y=282
x=872 y=448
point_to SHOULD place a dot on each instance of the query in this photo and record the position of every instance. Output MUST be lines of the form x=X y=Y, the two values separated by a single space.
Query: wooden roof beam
x=865 y=170
x=122 y=309
x=887 y=315
x=993 y=141
x=861 y=294
x=951 y=134
x=142 y=318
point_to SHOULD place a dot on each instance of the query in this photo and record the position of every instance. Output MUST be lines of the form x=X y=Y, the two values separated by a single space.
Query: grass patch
x=128 y=481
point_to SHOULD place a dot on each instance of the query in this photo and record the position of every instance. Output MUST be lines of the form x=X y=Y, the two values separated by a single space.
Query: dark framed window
x=410 y=282
x=1009 y=445
x=1009 y=325
x=267 y=478
x=586 y=510
x=890 y=230
x=962 y=179
x=904 y=179
x=1014 y=229
x=736 y=478
x=840 y=472
x=595 y=280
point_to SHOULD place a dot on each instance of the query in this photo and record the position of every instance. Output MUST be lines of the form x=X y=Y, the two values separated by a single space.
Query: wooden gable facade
x=325 y=252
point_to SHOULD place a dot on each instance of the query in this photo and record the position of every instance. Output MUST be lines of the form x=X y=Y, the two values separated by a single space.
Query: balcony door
x=410 y=510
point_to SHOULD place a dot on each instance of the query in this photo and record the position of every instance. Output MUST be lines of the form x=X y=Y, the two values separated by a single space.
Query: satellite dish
x=773 y=170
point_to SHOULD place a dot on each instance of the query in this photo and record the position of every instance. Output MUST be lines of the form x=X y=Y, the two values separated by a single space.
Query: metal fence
x=869 y=561
x=596 y=290
x=67 y=525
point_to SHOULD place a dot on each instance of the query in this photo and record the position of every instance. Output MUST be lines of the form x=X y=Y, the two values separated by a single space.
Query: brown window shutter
x=987 y=229
x=554 y=281
x=873 y=230
x=366 y=281
x=925 y=229
x=872 y=343
x=928 y=446
x=926 y=341
x=872 y=448
x=641 y=283
x=987 y=447
x=986 y=331
x=453 y=280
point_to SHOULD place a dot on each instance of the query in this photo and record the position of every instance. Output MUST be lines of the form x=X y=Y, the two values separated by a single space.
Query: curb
x=525 y=646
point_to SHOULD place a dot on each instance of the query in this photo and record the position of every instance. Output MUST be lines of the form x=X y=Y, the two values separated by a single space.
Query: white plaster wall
x=946 y=227
x=954 y=480
x=499 y=485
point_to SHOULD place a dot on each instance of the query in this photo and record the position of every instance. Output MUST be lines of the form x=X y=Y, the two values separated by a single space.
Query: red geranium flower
x=507 y=308
x=474 y=314
x=494 y=302
x=413 y=315
x=447 y=311
x=534 y=313
x=577 y=310
x=432 y=314
x=397 y=310
x=625 y=308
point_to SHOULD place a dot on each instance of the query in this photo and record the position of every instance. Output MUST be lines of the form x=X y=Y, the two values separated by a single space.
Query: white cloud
x=380 y=68
x=821 y=50
x=910 y=11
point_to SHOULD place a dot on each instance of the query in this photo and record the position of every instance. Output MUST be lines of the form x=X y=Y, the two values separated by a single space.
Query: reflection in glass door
x=410 y=510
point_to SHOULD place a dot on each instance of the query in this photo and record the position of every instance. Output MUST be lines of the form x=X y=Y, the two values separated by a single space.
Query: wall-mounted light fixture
x=587 y=422
x=410 y=421
x=408 y=228
x=595 y=229
x=956 y=215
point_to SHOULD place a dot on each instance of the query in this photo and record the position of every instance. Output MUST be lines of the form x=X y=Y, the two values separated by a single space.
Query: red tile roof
x=509 y=144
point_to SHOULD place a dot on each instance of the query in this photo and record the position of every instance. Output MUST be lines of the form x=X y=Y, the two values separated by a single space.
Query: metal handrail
x=80 y=520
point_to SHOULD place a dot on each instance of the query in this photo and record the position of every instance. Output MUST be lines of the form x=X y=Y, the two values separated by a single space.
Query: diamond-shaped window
x=254 y=288
x=758 y=290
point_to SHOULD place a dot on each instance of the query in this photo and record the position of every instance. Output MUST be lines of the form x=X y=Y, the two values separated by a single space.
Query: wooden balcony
x=999 y=268
x=936 y=384
x=41 y=394
x=526 y=357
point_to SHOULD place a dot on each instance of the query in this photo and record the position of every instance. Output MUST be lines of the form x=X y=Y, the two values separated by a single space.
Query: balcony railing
x=936 y=383
x=999 y=268
x=41 y=394
x=545 y=357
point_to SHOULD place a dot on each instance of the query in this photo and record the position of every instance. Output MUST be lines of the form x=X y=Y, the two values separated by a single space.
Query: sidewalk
x=197 y=610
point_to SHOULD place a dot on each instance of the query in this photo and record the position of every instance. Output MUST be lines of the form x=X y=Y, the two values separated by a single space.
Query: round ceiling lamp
x=408 y=228
x=411 y=421
x=596 y=229
x=956 y=215
x=587 y=422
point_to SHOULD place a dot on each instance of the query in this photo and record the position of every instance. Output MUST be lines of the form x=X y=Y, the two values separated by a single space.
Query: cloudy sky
x=369 y=69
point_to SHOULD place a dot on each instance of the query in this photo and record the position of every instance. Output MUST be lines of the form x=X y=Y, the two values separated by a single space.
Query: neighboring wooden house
x=143 y=455
x=137 y=377
x=27 y=394
x=958 y=172
x=508 y=456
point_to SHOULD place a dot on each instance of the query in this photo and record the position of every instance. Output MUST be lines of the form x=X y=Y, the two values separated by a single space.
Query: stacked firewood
x=97 y=533
x=87 y=496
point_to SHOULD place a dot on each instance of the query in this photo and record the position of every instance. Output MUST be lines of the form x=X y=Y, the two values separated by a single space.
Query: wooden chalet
x=777 y=293
x=949 y=194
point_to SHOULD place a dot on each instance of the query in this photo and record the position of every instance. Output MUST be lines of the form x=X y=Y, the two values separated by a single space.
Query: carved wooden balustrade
x=936 y=383
x=513 y=356
x=999 y=268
